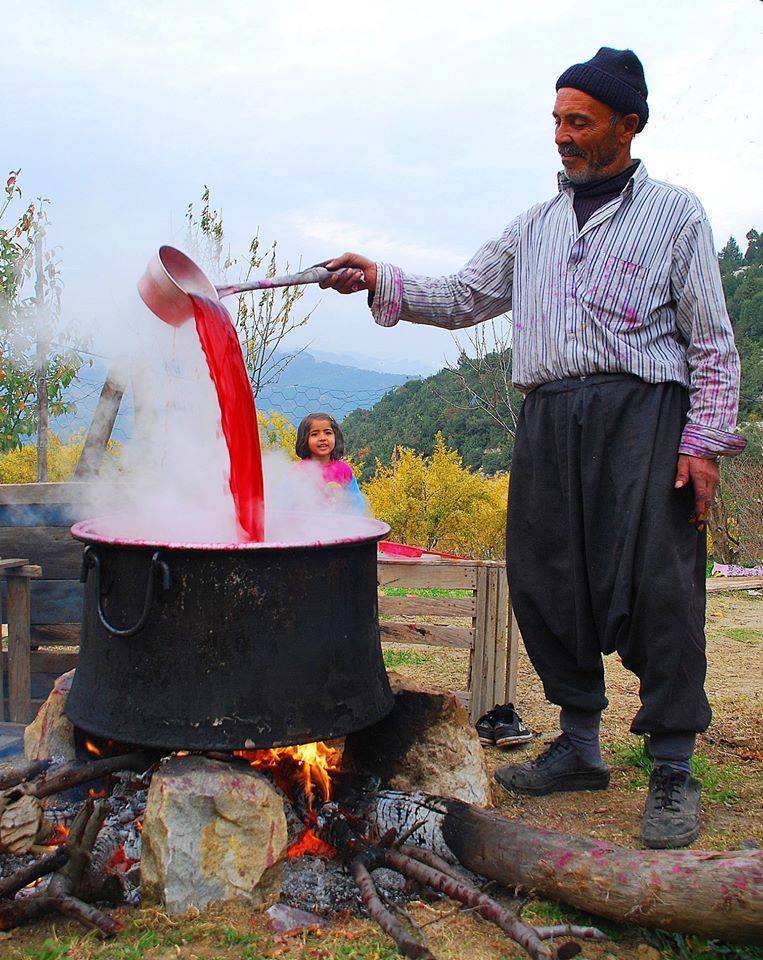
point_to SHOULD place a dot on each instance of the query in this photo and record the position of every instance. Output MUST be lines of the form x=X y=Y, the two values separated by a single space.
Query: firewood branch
x=68 y=883
x=10 y=886
x=405 y=942
x=426 y=868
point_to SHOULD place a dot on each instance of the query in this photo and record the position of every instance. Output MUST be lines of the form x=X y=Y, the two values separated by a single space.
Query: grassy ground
x=729 y=762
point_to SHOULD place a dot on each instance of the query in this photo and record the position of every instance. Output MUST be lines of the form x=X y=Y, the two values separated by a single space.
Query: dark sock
x=582 y=729
x=672 y=750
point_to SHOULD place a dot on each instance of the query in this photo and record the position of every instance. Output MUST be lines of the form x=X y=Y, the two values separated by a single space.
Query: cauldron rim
x=87 y=532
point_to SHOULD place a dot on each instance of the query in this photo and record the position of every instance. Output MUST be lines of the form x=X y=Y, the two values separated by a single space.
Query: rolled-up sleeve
x=713 y=360
x=479 y=291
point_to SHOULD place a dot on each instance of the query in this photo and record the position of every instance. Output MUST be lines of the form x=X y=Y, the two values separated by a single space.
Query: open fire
x=300 y=772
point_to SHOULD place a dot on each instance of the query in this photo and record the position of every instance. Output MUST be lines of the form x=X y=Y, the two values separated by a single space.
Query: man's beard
x=596 y=162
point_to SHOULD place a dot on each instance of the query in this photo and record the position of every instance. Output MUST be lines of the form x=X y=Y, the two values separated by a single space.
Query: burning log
x=707 y=893
x=63 y=893
x=13 y=774
x=10 y=886
x=22 y=824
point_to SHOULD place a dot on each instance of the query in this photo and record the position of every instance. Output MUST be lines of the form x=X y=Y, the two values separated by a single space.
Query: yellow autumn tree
x=20 y=465
x=439 y=504
x=277 y=433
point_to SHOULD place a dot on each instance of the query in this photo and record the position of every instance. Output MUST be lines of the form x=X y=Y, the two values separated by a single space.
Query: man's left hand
x=703 y=475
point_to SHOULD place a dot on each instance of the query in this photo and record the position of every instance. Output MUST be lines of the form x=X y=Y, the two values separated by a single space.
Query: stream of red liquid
x=219 y=342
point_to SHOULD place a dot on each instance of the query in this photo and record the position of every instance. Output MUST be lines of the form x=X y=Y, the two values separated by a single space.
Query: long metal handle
x=91 y=559
x=314 y=274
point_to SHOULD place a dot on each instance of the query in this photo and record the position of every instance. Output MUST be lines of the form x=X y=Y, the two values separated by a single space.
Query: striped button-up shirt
x=636 y=290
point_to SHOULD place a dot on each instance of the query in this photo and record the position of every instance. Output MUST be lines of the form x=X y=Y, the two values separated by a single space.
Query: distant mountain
x=309 y=384
x=305 y=385
x=410 y=369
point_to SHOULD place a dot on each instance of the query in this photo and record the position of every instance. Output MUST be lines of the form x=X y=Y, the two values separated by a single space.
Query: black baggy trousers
x=601 y=556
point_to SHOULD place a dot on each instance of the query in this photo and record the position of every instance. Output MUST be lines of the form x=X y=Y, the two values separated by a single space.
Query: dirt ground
x=731 y=754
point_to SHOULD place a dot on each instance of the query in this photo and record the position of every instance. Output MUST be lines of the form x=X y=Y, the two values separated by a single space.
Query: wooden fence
x=489 y=630
x=46 y=603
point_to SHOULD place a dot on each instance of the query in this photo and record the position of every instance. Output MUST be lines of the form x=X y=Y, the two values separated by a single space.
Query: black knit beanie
x=614 y=77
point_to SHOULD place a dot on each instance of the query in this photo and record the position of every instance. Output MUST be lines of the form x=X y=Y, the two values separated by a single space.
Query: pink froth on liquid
x=238 y=413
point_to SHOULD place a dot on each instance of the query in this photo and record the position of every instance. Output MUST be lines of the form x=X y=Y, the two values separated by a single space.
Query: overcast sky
x=409 y=131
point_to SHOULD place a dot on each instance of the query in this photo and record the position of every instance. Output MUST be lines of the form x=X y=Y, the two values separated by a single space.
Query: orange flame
x=311 y=764
x=59 y=836
x=93 y=748
x=309 y=844
x=96 y=794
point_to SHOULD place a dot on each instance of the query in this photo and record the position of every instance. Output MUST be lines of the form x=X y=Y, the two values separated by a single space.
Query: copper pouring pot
x=171 y=275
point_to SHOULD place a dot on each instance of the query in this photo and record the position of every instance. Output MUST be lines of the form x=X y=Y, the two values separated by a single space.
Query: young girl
x=320 y=442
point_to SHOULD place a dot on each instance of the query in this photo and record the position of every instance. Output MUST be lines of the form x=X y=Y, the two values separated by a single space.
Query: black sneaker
x=509 y=729
x=486 y=728
x=560 y=768
x=671 y=814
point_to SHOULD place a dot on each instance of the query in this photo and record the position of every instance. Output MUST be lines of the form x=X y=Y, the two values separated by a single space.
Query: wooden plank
x=444 y=575
x=476 y=687
x=491 y=640
x=727 y=584
x=47 y=661
x=56 y=634
x=40 y=514
x=54 y=601
x=19 y=673
x=426 y=606
x=501 y=662
x=430 y=634
x=3 y=711
x=33 y=493
x=12 y=562
x=513 y=653
x=54 y=548
x=101 y=425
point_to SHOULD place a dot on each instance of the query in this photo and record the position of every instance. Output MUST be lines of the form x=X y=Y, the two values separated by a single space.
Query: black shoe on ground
x=509 y=729
x=486 y=728
x=671 y=814
x=560 y=768
x=502 y=727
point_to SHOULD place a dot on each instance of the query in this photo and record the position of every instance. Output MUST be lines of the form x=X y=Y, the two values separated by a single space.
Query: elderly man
x=623 y=348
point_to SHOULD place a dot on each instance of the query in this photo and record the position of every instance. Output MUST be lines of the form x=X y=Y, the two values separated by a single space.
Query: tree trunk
x=706 y=893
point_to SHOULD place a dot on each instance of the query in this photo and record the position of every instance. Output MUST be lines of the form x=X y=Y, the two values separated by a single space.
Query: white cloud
x=342 y=235
x=432 y=117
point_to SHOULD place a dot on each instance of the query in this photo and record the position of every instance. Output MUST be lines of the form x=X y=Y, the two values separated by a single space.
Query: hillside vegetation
x=413 y=414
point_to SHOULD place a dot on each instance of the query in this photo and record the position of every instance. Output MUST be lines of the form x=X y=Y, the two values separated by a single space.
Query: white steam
x=171 y=481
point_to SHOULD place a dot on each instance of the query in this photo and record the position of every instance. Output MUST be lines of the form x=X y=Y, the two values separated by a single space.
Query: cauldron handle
x=91 y=559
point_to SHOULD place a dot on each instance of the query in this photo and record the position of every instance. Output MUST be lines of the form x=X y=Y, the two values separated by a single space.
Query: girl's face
x=321 y=440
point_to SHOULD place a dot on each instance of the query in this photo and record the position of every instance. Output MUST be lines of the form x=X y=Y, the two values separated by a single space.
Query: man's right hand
x=354 y=273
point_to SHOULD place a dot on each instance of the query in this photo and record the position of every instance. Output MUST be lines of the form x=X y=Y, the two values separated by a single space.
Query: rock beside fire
x=427 y=743
x=51 y=733
x=212 y=832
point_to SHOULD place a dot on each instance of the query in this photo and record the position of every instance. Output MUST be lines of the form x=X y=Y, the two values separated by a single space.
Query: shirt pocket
x=619 y=294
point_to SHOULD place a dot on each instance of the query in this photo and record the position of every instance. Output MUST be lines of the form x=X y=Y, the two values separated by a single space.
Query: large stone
x=426 y=743
x=51 y=733
x=212 y=832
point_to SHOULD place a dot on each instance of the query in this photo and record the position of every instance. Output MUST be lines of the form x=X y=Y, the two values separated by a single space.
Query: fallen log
x=430 y=871
x=715 y=894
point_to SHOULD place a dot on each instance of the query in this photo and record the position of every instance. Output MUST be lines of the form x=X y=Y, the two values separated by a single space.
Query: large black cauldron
x=228 y=646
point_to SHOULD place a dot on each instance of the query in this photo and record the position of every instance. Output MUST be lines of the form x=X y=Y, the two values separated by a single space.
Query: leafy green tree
x=264 y=318
x=30 y=297
x=754 y=255
x=730 y=258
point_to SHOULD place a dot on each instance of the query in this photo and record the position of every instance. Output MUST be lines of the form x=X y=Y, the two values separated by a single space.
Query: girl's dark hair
x=303 y=431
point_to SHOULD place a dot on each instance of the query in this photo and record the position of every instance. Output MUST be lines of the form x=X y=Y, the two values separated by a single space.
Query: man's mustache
x=570 y=150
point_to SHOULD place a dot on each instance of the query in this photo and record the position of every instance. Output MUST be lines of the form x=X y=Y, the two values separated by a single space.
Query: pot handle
x=91 y=559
